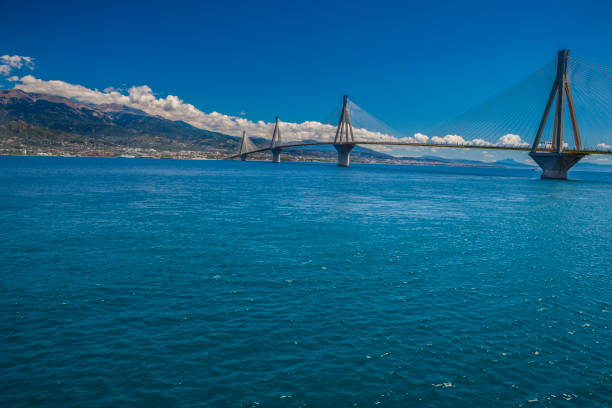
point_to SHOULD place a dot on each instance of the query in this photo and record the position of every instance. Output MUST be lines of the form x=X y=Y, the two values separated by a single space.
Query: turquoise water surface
x=167 y=283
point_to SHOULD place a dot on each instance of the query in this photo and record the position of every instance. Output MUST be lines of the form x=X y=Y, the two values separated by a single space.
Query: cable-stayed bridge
x=559 y=114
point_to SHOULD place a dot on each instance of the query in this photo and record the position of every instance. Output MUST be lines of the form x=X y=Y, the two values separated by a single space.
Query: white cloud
x=512 y=140
x=507 y=140
x=448 y=139
x=142 y=97
x=173 y=108
x=604 y=146
x=13 y=62
x=417 y=138
x=17 y=61
x=111 y=89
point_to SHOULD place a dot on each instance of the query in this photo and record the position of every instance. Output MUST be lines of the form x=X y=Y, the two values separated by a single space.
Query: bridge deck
x=523 y=149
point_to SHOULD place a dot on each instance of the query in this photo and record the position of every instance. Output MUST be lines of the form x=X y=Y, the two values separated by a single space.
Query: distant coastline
x=399 y=161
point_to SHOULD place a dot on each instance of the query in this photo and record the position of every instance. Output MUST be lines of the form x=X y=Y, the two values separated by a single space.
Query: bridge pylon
x=243 y=147
x=276 y=142
x=554 y=162
x=344 y=140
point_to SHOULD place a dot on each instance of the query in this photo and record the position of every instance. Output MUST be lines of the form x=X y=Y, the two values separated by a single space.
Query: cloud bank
x=173 y=108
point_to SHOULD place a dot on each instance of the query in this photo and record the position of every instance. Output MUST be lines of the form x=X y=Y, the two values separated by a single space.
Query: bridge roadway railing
x=453 y=146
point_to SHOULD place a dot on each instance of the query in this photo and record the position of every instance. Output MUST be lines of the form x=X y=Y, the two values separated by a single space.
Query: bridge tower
x=554 y=162
x=276 y=142
x=243 y=147
x=344 y=140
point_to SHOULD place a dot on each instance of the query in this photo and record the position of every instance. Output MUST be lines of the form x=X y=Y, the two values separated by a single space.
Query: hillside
x=55 y=125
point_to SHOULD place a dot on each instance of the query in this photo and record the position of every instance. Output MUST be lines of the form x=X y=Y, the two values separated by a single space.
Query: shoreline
x=399 y=162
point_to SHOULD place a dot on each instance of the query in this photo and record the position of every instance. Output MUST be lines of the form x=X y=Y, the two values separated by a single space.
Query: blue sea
x=169 y=283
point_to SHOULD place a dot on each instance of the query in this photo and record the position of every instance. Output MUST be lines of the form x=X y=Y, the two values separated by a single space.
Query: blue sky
x=411 y=64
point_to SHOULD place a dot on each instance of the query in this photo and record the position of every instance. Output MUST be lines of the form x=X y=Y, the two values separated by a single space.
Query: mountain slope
x=48 y=120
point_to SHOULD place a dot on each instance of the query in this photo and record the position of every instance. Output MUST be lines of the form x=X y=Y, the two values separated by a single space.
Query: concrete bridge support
x=553 y=161
x=343 y=142
x=276 y=155
x=344 y=154
x=243 y=157
x=555 y=165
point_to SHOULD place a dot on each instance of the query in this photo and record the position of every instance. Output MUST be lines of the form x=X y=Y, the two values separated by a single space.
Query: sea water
x=168 y=283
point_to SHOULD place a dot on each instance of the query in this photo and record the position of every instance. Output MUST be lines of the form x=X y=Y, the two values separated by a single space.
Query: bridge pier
x=344 y=154
x=552 y=160
x=555 y=165
x=276 y=155
x=243 y=157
